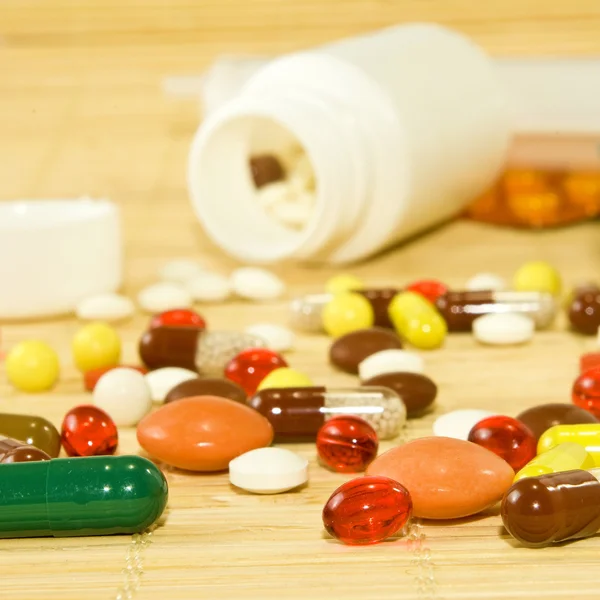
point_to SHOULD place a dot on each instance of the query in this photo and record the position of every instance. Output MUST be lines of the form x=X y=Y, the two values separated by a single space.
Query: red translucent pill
x=431 y=289
x=88 y=431
x=251 y=366
x=508 y=438
x=178 y=317
x=347 y=444
x=588 y=361
x=586 y=391
x=367 y=510
x=90 y=378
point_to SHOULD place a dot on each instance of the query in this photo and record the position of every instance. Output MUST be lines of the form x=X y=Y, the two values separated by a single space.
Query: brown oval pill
x=13 y=451
x=35 y=431
x=265 y=169
x=541 y=418
x=348 y=351
x=417 y=391
x=210 y=386
x=170 y=347
x=380 y=299
x=584 y=312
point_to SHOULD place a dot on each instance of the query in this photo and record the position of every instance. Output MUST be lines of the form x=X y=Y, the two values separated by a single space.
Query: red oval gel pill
x=431 y=289
x=586 y=391
x=251 y=366
x=178 y=317
x=88 y=431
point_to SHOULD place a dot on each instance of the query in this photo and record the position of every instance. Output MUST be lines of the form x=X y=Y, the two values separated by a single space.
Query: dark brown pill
x=348 y=351
x=460 y=309
x=584 y=312
x=380 y=301
x=417 y=391
x=207 y=387
x=266 y=169
x=170 y=347
x=32 y=430
x=13 y=451
x=538 y=511
x=540 y=418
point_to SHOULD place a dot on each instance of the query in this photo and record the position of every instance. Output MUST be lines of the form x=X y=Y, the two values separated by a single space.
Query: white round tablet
x=159 y=297
x=486 y=281
x=105 y=307
x=209 y=287
x=180 y=270
x=162 y=381
x=257 y=284
x=268 y=471
x=458 y=423
x=503 y=329
x=277 y=337
x=390 y=361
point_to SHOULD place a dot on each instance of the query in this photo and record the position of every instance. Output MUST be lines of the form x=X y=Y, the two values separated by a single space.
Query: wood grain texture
x=82 y=111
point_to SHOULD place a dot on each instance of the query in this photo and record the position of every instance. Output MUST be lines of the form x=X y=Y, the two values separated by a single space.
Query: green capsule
x=96 y=495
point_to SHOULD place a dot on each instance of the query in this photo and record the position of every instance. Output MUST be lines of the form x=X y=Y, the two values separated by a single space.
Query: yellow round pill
x=32 y=366
x=95 y=346
x=347 y=312
x=537 y=276
x=343 y=283
x=405 y=305
x=284 y=377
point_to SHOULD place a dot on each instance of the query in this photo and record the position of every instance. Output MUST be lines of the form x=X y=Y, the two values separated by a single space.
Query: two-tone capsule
x=32 y=430
x=298 y=413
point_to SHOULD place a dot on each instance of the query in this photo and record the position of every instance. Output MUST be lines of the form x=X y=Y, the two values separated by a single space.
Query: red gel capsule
x=347 y=444
x=367 y=510
x=90 y=378
x=431 y=289
x=586 y=391
x=251 y=366
x=510 y=439
x=178 y=317
x=88 y=431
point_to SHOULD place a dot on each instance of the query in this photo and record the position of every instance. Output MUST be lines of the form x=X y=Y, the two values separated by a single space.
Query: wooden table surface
x=82 y=112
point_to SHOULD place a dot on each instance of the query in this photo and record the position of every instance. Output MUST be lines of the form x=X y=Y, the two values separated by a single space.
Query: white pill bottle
x=403 y=128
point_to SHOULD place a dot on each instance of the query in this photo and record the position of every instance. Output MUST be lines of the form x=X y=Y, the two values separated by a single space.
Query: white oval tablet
x=209 y=287
x=485 y=282
x=277 y=337
x=124 y=394
x=162 y=381
x=105 y=307
x=180 y=270
x=458 y=423
x=503 y=329
x=390 y=361
x=159 y=297
x=268 y=471
x=253 y=283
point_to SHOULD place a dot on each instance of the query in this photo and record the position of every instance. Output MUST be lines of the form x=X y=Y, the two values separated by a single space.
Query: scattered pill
x=390 y=361
x=207 y=386
x=160 y=297
x=257 y=284
x=343 y=283
x=90 y=378
x=503 y=329
x=540 y=418
x=180 y=270
x=209 y=287
x=162 y=381
x=96 y=345
x=123 y=394
x=265 y=169
x=88 y=431
x=586 y=435
x=268 y=471
x=590 y=360
x=295 y=213
x=35 y=431
x=32 y=366
x=347 y=312
x=178 y=317
x=285 y=377
x=537 y=276
x=367 y=510
x=486 y=282
x=586 y=391
x=251 y=366
x=196 y=433
x=430 y=289
x=458 y=423
x=83 y=496
x=16 y=451
x=584 y=313
x=105 y=307
x=447 y=478
x=276 y=337
x=349 y=350
x=563 y=457
x=347 y=444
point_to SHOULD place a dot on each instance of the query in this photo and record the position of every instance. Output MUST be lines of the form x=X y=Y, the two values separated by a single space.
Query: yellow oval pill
x=32 y=366
x=96 y=345
x=537 y=276
x=284 y=377
x=347 y=312
x=344 y=283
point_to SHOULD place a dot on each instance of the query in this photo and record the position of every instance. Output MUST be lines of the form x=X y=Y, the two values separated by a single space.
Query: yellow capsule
x=344 y=282
x=284 y=377
x=347 y=312
x=32 y=366
x=537 y=276
x=564 y=457
x=96 y=345
x=585 y=435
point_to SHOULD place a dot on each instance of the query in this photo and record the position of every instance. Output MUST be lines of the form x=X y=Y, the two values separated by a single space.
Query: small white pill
x=180 y=270
x=486 y=281
x=162 y=381
x=124 y=394
x=277 y=337
x=503 y=329
x=292 y=214
x=272 y=194
x=390 y=361
x=209 y=287
x=458 y=423
x=159 y=297
x=258 y=284
x=105 y=307
x=268 y=471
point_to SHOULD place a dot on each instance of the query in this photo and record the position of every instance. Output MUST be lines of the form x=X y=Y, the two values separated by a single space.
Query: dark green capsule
x=96 y=495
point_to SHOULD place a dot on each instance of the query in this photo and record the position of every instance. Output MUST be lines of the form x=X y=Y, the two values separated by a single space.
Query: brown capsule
x=209 y=386
x=539 y=511
x=417 y=391
x=584 y=312
x=13 y=451
x=380 y=301
x=348 y=351
x=266 y=169
x=32 y=430
x=540 y=418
